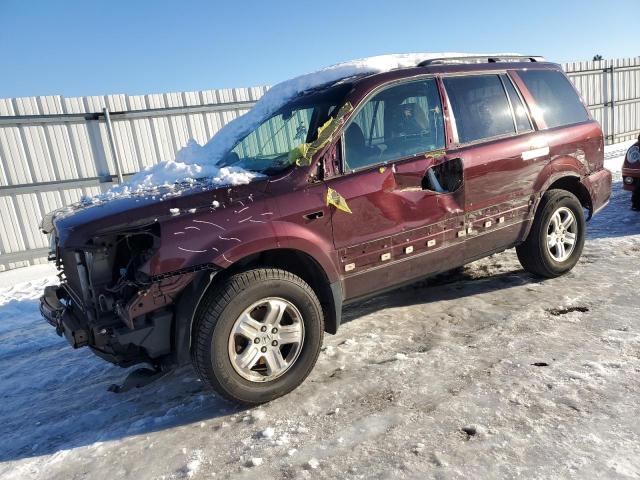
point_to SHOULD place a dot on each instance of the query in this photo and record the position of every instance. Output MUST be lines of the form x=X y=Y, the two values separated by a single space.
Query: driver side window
x=398 y=122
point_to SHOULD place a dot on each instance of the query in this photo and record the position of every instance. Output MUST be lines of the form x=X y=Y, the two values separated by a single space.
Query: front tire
x=257 y=335
x=555 y=242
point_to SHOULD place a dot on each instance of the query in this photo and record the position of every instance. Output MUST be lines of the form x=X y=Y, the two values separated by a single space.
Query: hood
x=74 y=225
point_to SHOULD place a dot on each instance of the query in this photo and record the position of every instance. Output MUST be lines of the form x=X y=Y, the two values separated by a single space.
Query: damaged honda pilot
x=359 y=185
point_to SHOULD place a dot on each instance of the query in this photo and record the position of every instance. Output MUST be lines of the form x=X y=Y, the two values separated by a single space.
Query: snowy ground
x=489 y=373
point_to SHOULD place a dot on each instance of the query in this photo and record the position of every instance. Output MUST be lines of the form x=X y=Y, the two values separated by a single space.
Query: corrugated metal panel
x=78 y=148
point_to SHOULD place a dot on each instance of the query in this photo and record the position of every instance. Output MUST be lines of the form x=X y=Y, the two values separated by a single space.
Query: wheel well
x=307 y=268
x=573 y=185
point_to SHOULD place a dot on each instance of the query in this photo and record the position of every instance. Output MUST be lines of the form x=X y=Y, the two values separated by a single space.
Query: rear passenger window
x=398 y=122
x=522 y=119
x=480 y=107
x=557 y=100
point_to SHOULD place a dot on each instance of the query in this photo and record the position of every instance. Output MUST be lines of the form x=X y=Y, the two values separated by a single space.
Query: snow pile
x=176 y=174
x=195 y=161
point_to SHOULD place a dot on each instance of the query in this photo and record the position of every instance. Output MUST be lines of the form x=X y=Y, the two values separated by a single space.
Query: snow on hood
x=174 y=176
x=196 y=161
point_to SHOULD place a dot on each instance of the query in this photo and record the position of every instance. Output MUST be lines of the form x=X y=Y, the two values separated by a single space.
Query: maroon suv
x=403 y=174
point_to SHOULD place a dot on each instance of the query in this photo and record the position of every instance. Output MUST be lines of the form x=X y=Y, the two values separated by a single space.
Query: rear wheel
x=556 y=239
x=257 y=335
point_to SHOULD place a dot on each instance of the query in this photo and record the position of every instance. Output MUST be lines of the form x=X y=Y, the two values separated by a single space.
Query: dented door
x=397 y=231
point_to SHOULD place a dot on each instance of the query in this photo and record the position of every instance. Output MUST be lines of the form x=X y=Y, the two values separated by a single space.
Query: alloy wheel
x=562 y=234
x=266 y=339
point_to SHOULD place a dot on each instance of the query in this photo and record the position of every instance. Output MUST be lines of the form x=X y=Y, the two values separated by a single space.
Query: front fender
x=184 y=247
x=279 y=234
x=260 y=238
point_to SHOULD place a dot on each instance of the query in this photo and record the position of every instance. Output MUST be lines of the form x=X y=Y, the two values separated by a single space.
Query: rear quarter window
x=555 y=97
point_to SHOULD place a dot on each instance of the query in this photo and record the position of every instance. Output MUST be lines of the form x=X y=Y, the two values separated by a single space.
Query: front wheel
x=556 y=239
x=257 y=335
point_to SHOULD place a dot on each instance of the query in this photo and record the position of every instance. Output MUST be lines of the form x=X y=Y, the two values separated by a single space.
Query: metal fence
x=611 y=90
x=54 y=150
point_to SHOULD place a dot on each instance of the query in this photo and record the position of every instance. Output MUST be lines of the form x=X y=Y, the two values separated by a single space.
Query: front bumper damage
x=60 y=316
x=106 y=303
x=148 y=340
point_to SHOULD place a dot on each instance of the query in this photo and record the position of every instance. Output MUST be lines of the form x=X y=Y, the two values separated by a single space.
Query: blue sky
x=95 y=47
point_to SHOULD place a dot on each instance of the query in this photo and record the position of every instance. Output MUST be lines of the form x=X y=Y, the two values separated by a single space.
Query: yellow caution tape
x=337 y=200
x=435 y=154
x=303 y=153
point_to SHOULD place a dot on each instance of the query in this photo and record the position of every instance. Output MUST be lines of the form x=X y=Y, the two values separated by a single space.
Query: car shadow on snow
x=452 y=285
x=54 y=398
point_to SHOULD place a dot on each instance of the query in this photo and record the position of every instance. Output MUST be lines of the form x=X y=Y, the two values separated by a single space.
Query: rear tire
x=635 y=198
x=257 y=335
x=556 y=239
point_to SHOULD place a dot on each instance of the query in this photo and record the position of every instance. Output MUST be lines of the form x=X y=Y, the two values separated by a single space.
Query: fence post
x=112 y=144
x=611 y=102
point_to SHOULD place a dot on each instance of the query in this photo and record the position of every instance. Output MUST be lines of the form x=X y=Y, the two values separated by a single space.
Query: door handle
x=314 y=215
x=535 y=152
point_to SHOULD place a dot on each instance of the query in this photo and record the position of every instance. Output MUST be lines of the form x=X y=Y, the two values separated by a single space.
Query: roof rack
x=481 y=59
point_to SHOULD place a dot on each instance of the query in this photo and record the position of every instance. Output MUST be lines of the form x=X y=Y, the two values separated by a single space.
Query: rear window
x=480 y=107
x=556 y=98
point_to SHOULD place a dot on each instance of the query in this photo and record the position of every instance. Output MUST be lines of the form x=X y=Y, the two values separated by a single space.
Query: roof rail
x=481 y=59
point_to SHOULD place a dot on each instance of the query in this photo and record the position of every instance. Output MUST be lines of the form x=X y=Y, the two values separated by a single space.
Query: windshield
x=266 y=149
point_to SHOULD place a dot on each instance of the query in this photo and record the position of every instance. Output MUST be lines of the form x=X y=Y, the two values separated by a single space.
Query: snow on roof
x=196 y=161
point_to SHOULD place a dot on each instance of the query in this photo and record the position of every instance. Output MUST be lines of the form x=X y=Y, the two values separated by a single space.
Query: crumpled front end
x=106 y=302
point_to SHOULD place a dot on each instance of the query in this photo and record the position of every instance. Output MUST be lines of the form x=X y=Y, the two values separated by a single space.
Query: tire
x=534 y=253
x=219 y=352
x=635 y=198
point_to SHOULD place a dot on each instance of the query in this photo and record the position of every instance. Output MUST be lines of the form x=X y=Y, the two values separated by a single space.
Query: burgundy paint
x=390 y=210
